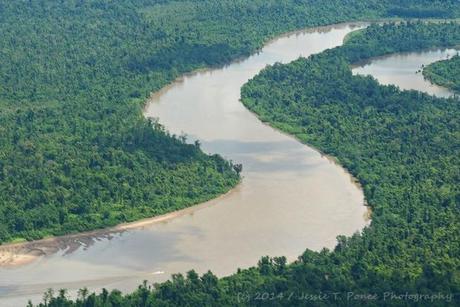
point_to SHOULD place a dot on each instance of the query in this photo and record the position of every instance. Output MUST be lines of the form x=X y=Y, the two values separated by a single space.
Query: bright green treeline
x=75 y=151
x=401 y=145
x=445 y=73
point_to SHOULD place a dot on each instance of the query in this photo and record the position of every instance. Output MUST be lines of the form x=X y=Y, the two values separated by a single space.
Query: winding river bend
x=291 y=197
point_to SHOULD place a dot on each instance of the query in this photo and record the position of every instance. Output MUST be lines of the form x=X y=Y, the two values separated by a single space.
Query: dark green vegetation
x=445 y=73
x=75 y=151
x=401 y=145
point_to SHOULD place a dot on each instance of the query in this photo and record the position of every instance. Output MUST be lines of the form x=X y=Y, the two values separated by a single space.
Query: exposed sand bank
x=23 y=253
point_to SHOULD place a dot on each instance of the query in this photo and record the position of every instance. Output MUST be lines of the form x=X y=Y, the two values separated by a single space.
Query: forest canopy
x=75 y=152
x=403 y=148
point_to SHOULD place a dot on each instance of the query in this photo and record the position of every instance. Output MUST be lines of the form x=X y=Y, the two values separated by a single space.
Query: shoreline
x=368 y=214
x=356 y=24
x=386 y=56
x=23 y=253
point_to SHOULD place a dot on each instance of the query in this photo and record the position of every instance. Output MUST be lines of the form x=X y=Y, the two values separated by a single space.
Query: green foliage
x=445 y=73
x=75 y=152
x=401 y=145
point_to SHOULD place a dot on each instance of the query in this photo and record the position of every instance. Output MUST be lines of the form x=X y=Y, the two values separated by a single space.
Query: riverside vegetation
x=445 y=73
x=403 y=148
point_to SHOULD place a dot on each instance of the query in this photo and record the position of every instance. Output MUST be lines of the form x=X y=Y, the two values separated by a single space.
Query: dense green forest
x=445 y=73
x=75 y=151
x=401 y=145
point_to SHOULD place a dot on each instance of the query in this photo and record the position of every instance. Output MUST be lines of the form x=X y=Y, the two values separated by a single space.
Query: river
x=291 y=197
x=404 y=70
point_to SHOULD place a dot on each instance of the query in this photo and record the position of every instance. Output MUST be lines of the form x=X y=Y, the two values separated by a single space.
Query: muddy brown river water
x=291 y=197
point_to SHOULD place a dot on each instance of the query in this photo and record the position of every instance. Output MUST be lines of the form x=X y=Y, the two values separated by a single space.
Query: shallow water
x=291 y=197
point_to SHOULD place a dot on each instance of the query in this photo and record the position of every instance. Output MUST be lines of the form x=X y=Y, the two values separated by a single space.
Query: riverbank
x=398 y=143
x=23 y=253
x=444 y=72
